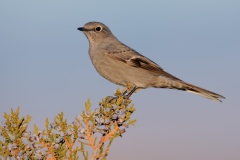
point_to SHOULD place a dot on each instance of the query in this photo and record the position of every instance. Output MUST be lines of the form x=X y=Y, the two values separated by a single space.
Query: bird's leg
x=124 y=93
x=128 y=88
x=130 y=93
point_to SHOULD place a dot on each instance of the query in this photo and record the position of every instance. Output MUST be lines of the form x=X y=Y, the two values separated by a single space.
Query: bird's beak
x=82 y=29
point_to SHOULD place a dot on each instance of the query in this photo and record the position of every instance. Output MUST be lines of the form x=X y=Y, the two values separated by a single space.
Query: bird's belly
x=123 y=74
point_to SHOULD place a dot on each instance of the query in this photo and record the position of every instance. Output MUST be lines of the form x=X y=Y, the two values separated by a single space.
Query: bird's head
x=96 y=31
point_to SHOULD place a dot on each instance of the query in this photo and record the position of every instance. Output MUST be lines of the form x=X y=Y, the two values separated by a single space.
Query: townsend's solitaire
x=124 y=66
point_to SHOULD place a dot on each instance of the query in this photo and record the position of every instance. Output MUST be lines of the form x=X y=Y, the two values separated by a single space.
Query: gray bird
x=124 y=66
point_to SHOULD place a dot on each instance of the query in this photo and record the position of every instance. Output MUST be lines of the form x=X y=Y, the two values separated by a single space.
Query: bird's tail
x=181 y=85
x=202 y=92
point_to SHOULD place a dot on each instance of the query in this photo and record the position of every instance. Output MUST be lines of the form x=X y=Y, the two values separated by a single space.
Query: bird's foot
x=125 y=94
x=130 y=89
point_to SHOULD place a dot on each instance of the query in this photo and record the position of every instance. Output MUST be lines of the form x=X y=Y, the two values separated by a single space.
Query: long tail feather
x=175 y=83
x=203 y=92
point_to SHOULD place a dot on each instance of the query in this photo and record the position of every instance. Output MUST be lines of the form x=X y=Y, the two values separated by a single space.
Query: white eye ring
x=98 y=29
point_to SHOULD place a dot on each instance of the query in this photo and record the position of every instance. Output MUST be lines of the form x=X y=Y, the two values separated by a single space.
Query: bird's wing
x=134 y=59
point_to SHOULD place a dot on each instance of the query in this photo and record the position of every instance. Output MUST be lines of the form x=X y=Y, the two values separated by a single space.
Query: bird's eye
x=98 y=29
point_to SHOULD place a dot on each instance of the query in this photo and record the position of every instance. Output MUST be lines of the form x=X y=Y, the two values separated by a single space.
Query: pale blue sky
x=45 y=69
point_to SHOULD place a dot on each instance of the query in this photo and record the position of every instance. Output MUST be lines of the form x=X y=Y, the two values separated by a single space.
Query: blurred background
x=45 y=69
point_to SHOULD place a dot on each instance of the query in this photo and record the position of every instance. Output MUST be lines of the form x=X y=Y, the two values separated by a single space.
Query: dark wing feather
x=134 y=59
